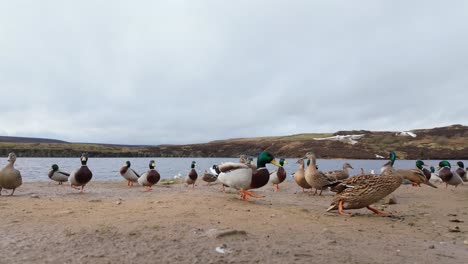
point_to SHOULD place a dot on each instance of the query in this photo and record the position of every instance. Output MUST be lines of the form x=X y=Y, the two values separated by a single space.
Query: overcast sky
x=164 y=72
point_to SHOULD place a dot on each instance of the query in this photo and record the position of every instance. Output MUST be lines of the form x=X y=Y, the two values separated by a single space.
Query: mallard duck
x=416 y=176
x=10 y=178
x=447 y=176
x=299 y=176
x=243 y=158
x=244 y=177
x=56 y=175
x=129 y=174
x=364 y=190
x=461 y=171
x=209 y=177
x=389 y=164
x=192 y=176
x=419 y=165
x=434 y=176
x=150 y=177
x=81 y=176
x=315 y=178
x=340 y=174
x=279 y=175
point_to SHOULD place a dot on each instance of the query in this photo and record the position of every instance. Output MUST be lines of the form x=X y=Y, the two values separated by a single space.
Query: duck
x=416 y=176
x=340 y=174
x=447 y=176
x=244 y=177
x=150 y=177
x=364 y=190
x=192 y=176
x=10 y=178
x=315 y=178
x=279 y=175
x=56 y=175
x=82 y=176
x=129 y=174
x=299 y=176
x=209 y=177
x=243 y=158
x=434 y=176
x=427 y=173
x=461 y=171
x=388 y=164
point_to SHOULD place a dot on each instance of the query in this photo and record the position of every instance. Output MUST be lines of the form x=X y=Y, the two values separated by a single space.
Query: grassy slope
x=447 y=143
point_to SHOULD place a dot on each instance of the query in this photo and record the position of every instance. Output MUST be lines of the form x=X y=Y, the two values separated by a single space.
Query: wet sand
x=112 y=223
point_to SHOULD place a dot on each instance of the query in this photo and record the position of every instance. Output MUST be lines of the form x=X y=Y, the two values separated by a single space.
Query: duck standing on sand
x=209 y=177
x=129 y=174
x=427 y=173
x=447 y=176
x=461 y=171
x=56 y=175
x=192 y=176
x=150 y=177
x=434 y=176
x=315 y=178
x=389 y=164
x=299 y=176
x=416 y=176
x=340 y=174
x=244 y=177
x=10 y=178
x=279 y=175
x=81 y=176
x=364 y=190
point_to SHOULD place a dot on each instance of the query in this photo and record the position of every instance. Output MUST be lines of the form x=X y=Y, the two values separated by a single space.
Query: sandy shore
x=112 y=223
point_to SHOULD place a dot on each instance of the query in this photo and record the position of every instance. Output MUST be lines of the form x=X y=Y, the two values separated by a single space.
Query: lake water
x=107 y=169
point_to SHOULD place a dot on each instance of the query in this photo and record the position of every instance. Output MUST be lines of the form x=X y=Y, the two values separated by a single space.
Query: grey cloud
x=153 y=72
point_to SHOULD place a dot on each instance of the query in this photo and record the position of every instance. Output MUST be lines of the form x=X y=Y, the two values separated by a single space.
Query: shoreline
x=112 y=223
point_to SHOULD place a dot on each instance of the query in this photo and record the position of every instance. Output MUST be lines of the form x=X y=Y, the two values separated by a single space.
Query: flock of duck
x=354 y=192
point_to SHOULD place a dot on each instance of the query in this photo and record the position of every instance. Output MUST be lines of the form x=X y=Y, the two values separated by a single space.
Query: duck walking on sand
x=447 y=176
x=129 y=174
x=192 y=176
x=10 y=178
x=299 y=176
x=82 y=176
x=245 y=177
x=315 y=178
x=340 y=174
x=57 y=175
x=417 y=176
x=364 y=190
x=150 y=177
x=279 y=175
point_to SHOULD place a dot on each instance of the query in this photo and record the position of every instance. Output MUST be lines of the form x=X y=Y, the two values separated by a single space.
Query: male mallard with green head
x=10 y=178
x=244 y=177
x=315 y=178
x=150 y=177
x=447 y=176
x=81 y=177
x=417 y=176
x=57 y=175
x=389 y=164
x=279 y=175
x=129 y=174
x=461 y=171
x=340 y=174
x=192 y=176
x=364 y=190
x=427 y=173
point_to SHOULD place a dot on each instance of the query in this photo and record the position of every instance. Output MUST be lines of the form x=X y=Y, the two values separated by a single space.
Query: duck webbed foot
x=378 y=212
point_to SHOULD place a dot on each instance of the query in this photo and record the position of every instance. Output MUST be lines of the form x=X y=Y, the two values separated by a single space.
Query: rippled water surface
x=107 y=169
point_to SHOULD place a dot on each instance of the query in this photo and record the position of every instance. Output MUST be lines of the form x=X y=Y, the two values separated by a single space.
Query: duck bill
x=276 y=163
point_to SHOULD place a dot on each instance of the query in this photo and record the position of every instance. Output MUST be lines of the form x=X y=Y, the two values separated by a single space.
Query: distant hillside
x=29 y=140
x=449 y=142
